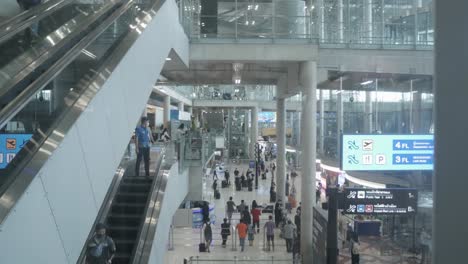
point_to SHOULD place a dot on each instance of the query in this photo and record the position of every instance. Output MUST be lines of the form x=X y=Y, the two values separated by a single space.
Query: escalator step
x=134 y=187
x=128 y=208
x=124 y=219
x=125 y=246
x=131 y=197
x=121 y=258
x=123 y=233
x=142 y=180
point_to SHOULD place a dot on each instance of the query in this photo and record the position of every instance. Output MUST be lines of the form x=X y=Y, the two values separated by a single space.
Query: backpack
x=356 y=248
x=208 y=232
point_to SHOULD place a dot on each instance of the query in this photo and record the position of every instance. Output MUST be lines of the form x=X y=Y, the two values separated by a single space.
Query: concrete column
x=309 y=83
x=340 y=21
x=254 y=131
x=281 y=142
x=180 y=106
x=322 y=123
x=451 y=128
x=368 y=19
x=167 y=111
x=339 y=116
x=368 y=113
x=299 y=128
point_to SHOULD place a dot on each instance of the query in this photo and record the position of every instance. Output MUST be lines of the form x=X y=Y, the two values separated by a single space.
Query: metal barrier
x=236 y=259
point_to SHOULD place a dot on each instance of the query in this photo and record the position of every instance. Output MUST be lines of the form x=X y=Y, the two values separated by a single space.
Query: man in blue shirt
x=142 y=146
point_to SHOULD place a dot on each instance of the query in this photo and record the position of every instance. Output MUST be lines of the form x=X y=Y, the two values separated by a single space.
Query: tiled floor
x=186 y=240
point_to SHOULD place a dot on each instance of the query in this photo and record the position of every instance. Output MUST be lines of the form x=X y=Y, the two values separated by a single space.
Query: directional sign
x=380 y=201
x=10 y=145
x=387 y=152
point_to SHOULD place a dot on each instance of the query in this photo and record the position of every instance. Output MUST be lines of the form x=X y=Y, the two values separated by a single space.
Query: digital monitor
x=267 y=117
x=387 y=152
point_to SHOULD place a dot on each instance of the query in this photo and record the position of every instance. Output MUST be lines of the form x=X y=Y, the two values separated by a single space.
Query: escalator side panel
x=79 y=171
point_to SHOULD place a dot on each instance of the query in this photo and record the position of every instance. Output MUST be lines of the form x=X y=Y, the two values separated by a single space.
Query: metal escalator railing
x=131 y=228
x=75 y=79
x=57 y=47
x=20 y=22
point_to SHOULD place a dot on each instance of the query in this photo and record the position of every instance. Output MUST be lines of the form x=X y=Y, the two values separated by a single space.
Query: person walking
x=297 y=221
x=246 y=216
x=242 y=207
x=355 y=249
x=208 y=234
x=289 y=231
x=100 y=248
x=256 y=212
x=225 y=231
x=242 y=232
x=269 y=229
x=206 y=212
x=278 y=212
x=230 y=208
x=251 y=233
x=142 y=143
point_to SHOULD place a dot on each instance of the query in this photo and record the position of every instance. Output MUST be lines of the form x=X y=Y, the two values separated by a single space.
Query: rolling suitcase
x=224 y=184
x=217 y=195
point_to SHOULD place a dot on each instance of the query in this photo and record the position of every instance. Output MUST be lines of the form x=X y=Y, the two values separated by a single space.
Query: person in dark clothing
x=243 y=182
x=355 y=249
x=246 y=216
x=287 y=188
x=225 y=231
x=226 y=176
x=206 y=212
x=215 y=175
x=236 y=172
x=215 y=185
x=142 y=143
x=100 y=248
x=278 y=212
x=297 y=221
x=254 y=204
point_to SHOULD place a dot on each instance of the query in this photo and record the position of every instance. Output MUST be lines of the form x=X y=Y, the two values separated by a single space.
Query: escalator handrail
x=23 y=20
x=16 y=105
x=20 y=179
x=50 y=51
x=142 y=250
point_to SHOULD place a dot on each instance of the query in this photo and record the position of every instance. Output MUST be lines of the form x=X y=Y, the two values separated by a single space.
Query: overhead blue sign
x=387 y=152
x=10 y=145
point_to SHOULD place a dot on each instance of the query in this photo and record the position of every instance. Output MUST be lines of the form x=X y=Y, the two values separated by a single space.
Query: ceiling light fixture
x=168 y=59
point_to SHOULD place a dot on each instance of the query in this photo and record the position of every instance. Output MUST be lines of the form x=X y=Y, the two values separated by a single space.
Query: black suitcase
x=238 y=187
x=224 y=184
x=250 y=188
x=201 y=247
x=217 y=195
x=264 y=176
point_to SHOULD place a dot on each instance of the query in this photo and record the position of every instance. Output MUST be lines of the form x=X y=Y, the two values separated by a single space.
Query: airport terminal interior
x=233 y=131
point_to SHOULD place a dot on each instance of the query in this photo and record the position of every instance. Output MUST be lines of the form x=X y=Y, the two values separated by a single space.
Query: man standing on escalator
x=26 y=5
x=142 y=146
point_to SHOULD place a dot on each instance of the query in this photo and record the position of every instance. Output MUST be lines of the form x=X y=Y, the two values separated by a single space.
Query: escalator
x=127 y=214
x=69 y=101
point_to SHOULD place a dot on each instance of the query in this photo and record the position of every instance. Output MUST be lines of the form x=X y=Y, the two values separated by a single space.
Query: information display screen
x=380 y=201
x=267 y=117
x=387 y=152
x=10 y=145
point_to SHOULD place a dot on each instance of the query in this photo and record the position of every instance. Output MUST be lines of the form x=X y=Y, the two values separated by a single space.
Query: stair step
x=125 y=246
x=128 y=208
x=124 y=219
x=143 y=180
x=121 y=258
x=134 y=187
x=123 y=233
x=129 y=197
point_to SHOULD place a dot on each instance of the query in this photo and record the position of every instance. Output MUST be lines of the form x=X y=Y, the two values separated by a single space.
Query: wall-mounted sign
x=387 y=152
x=10 y=145
x=380 y=201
